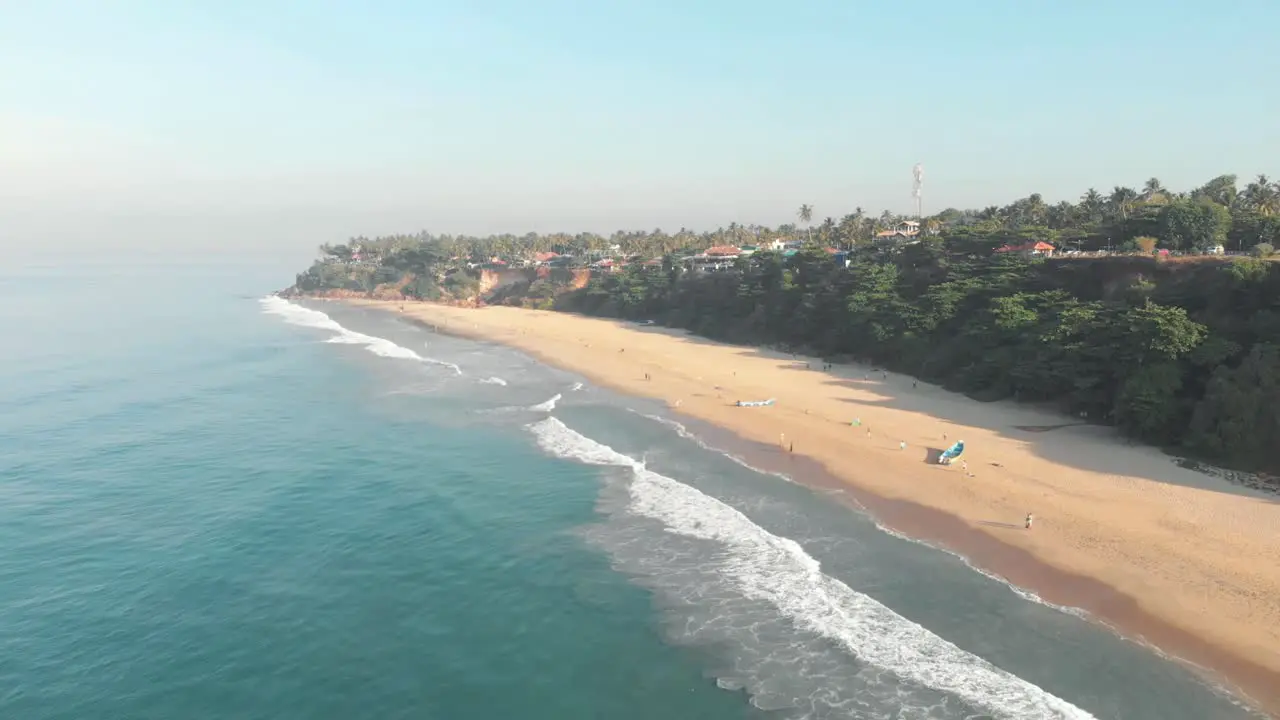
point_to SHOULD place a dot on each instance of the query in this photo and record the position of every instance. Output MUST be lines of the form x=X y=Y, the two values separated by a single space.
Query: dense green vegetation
x=1180 y=351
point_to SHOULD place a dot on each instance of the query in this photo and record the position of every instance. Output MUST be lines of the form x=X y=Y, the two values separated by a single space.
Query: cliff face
x=571 y=279
x=491 y=280
x=522 y=286
x=568 y=279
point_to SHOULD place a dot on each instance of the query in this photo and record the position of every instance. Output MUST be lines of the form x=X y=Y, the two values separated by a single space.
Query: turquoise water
x=216 y=506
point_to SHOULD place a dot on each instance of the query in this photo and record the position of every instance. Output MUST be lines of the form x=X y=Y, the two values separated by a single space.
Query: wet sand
x=1184 y=562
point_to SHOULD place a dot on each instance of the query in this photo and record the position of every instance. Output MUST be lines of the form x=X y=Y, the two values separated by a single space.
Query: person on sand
x=1030 y=518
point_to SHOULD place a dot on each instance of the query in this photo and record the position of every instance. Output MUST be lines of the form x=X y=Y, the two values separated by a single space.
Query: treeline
x=1182 y=352
x=1177 y=354
x=1218 y=212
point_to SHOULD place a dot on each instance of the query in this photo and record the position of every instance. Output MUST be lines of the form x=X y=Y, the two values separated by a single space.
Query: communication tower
x=917 y=189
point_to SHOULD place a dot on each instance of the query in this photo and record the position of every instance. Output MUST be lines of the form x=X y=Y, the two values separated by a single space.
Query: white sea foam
x=306 y=317
x=494 y=381
x=685 y=433
x=1025 y=594
x=547 y=406
x=778 y=570
x=576 y=387
x=1021 y=592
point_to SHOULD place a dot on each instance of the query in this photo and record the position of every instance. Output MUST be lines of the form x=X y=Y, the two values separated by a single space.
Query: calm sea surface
x=215 y=505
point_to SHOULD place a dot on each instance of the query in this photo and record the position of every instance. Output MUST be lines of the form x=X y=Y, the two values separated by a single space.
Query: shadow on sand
x=1045 y=433
x=993 y=523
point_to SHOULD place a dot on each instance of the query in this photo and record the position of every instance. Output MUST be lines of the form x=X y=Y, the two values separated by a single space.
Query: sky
x=245 y=125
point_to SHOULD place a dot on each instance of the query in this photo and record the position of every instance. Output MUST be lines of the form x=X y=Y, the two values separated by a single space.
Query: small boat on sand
x=951 y=453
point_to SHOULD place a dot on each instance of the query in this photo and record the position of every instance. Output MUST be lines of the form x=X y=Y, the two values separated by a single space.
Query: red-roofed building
x=1039 y=249
x=720 y=257
x=608 y=265
x=543 y=258
x=723 y=251
x=904 y=229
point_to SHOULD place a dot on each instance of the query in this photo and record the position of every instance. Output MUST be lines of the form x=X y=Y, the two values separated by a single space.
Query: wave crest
x=548 y=405
x=778 y=570
x=306 y=317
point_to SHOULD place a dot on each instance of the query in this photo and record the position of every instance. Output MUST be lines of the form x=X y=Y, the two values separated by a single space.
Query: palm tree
x=1153 y=189
x=1263 y=195
x=849 y=229
x=1060 y=215
x=827 y=231
x=806 y=215
x=1122 y=198
x=1092 y=204
x=1036 y=209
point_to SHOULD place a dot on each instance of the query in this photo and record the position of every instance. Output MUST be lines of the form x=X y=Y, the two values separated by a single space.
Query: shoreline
x=1013 y=566
x=1121 y=592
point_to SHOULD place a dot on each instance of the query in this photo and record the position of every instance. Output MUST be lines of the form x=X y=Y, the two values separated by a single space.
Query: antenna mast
x=917 y=188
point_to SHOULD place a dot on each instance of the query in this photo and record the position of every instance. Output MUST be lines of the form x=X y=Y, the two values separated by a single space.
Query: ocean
x=219 y=504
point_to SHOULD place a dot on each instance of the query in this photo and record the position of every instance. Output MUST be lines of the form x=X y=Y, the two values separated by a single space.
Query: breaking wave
x=547 y=406
x=305 y=317
x=778 y=571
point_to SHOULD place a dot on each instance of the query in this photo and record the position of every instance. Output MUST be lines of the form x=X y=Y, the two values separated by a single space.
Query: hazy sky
x=239 y=124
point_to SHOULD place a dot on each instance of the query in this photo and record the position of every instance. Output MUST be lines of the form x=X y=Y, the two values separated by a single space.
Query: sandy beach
x=1186 y=562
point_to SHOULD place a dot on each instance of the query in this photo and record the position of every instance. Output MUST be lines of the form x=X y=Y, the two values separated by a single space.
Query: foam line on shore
x=778 y=570
x=306 y=317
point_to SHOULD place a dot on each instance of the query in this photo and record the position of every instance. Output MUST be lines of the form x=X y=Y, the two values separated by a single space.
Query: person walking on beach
x=1030 y=517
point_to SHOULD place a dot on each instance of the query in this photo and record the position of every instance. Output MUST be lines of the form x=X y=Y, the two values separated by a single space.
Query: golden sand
x=1198 y=558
